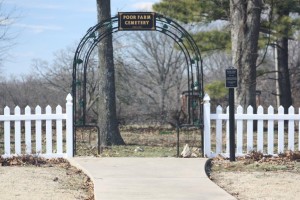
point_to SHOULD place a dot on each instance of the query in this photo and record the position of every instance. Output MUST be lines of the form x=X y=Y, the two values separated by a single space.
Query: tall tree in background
x=282 y=29
x=107 y=117
x=282 y=11
x=245 y=26
x=280 y=22
x=244 y=18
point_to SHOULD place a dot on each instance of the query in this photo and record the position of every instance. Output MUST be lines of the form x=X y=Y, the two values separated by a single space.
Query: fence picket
x=59 y=137
x=38 y=131
x=227 y=132
x=28 y=131
x=270 y=131
x=48 y=132
x=250 y=117
x=6 y=132
x=239 y=131
x=260 y=130
x=219 y=132
x=37 y=118
x=280 y=131
x=17 y=131
x=291 y=129
x=249 y=130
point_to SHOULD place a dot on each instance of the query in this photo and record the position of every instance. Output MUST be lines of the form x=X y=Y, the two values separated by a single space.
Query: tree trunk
x=162 y=105
x=245 y=25
x=107 y=117
x=285 y=94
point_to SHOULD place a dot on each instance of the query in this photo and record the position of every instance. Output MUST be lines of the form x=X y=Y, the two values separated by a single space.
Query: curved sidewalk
x=150 y=178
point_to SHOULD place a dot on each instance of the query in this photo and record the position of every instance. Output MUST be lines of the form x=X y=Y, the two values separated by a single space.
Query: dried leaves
x=256 y=161
x=30 y=160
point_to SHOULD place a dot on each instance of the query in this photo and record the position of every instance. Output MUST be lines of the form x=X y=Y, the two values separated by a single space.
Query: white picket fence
x=15 y=120
x=216 y=137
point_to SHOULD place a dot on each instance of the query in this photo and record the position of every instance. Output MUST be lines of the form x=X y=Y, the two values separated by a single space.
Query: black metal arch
x=101 y=30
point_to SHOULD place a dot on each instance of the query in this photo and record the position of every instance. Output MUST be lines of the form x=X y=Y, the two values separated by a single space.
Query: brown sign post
x=137 y=21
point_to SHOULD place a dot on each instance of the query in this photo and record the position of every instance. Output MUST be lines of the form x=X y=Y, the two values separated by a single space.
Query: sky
x=43 y=27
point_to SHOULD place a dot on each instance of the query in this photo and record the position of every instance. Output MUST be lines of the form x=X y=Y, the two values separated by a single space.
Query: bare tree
x=28 y=90
x=214 y=65
x=159 y=70
x=7 y=37
x=57 y=77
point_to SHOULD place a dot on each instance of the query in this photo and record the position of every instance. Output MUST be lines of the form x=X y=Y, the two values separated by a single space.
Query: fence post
x=69 y=125
x=207 y=128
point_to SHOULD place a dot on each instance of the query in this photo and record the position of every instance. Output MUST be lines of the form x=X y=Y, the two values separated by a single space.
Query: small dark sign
x=136 y=21
x=231 y=78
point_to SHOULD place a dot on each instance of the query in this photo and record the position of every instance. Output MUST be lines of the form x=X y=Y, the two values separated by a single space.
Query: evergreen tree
x=279 y=22
x=244 y=19
x=204 y=11
x=281 y=26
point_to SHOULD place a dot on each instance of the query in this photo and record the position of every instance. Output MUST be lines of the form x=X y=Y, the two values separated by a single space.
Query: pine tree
x=244 y=19
x=281 y=26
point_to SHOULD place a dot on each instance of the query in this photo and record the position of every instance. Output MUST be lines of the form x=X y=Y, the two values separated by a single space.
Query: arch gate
x=133 y=21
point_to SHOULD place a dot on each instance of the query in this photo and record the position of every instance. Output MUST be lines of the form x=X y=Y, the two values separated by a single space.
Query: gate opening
x=191 y=104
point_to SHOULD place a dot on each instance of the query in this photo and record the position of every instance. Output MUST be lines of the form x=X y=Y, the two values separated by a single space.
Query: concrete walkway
x=150 y=178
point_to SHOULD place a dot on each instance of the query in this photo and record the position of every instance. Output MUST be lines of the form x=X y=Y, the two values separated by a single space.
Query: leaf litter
x=259 y=176
x=30 y=173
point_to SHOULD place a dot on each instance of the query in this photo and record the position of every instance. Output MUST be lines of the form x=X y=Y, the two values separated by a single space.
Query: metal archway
x=163 y=25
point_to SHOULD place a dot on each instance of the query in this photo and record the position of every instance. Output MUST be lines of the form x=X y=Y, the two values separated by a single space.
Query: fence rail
x=34 y=122
x=274 y=131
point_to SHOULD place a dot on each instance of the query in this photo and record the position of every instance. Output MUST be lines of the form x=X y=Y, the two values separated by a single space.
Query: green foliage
x=182 y=10
x=216 y=90
x=264 y=40
x=194 y=10
x=261 y=72
x=281 y=23
x=213 y=40
x=284 y=6
x=214 y=10
x=188 y=11
x=163 y=132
